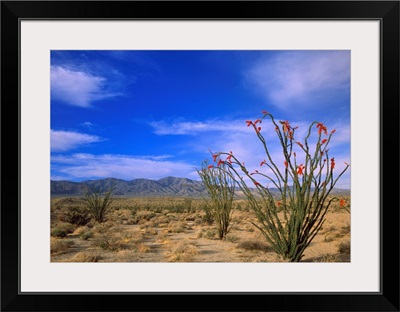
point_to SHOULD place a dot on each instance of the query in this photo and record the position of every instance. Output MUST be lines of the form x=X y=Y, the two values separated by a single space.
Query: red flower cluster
x=322 y=128
x=264 y=162
x=332 y=163
x=300 y=169
x=323 y=141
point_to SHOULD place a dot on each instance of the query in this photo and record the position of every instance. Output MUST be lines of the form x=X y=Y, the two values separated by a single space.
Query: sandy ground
x=184 y=237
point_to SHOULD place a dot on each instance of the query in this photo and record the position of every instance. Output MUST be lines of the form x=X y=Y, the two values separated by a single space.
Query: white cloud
x=197 y=127
x=77 y=88
x=62 y=141
x=85 y=166
x=300 y=75
x=87 y=124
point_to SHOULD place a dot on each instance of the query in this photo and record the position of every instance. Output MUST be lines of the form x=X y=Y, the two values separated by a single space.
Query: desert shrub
x=85 y=256
x=113 y=239
x=76 y=215
x=183 y=251
x=86 y=235
x=253 y=245
x=98 y=201
x=59 y=246
x=58 y=232
x=134 y=209
x=344 y=247
x=62 y=230
x=176 y=227
x=210 y=234
x=232 y=238
x=304 y=176
x=221 y=188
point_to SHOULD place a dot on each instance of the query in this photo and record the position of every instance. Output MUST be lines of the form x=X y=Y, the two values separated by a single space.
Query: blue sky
x=152 y=114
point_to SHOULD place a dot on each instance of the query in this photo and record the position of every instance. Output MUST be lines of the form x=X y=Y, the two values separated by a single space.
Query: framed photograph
x=235 y=153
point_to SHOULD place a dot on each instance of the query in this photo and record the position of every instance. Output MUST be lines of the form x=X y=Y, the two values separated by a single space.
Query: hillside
x=169 y=186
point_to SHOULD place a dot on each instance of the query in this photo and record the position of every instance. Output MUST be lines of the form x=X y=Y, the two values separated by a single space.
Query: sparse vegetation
x=150 y=235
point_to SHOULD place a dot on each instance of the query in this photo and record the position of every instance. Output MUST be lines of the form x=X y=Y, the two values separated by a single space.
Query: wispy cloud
x=62 y=141
x=85 y=166
x=199 y=127
x=87 y=124
x=78 y=88
x=300 y=75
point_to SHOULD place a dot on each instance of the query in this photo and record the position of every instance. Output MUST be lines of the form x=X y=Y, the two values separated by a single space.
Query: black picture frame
x=387 y=299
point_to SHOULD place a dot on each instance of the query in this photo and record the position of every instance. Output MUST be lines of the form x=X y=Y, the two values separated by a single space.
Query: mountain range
x=169 y=186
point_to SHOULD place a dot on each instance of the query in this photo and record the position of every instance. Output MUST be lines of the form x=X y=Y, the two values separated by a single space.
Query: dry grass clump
x=85 y=256
x=81 y=229
x=113 y=239
x=345 y=229
x=176 y=227
x=125 y=256
x=327 y=258
x=344 y=247
x=182 y=251
x=142 y=248
x=59 y=246
x=253 y=245
x=62 y=229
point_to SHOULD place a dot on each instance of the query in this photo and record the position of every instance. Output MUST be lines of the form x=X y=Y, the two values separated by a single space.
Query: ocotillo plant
x=97 y=202
x=292 y=222
x=221 y=188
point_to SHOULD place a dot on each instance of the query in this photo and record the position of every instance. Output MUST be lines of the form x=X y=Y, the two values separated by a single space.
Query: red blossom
x=264 y=162
x=215 y=157
x=300 y=169
x=285 y=163
x=220 y=162
x=286 y=126
x=264 y=112
x=249 y=122
x=258 y=129
x=229 y=158
x=256 y=183
x=324 y=141
x=332 y=163
x=322 y=128
x=210 y=166
x=333 y=131
x=257 y=121
x=342 y=203
x=278 y=203
x=276 y=128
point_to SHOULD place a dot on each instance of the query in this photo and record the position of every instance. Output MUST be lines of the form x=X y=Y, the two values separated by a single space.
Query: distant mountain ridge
x=168 y=186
